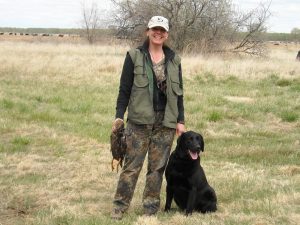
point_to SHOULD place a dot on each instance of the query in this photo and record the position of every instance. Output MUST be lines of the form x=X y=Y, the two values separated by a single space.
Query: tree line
x=203 y=25
x=106 y=33
x=206 y=26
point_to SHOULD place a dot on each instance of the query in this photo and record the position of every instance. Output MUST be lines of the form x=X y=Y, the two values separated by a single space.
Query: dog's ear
x=202 y=146
x=201 y=143
x=180 y=147
x=179 y=138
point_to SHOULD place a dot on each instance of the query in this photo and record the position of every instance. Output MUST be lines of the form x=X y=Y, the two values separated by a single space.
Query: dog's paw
x=167 y=209
x=188 y=213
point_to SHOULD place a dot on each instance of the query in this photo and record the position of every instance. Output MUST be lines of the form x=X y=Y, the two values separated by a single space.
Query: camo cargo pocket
x=127 y=140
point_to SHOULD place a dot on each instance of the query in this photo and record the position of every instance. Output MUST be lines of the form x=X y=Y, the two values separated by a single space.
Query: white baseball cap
x=159 y=21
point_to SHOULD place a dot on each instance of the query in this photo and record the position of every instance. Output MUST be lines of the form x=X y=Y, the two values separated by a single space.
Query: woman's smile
x=157 y=35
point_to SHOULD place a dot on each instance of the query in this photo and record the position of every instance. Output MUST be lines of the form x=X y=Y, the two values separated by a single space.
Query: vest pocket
x=173 y=72
x=176 y=88
x=138 y=69
x=141 y=80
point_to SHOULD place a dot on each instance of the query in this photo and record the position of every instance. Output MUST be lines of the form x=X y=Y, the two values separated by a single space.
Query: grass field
x=57 y=104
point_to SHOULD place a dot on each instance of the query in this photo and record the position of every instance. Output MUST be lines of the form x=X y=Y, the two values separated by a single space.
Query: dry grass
x=56 y=107
x=280 y=62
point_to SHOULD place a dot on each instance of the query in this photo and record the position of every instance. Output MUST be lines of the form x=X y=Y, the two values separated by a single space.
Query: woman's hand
x=180 y=128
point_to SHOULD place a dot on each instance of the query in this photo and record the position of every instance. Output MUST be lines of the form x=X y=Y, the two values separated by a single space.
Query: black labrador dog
x=186 y=180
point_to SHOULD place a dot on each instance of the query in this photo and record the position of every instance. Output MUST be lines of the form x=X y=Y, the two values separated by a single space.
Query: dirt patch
x=290 y=170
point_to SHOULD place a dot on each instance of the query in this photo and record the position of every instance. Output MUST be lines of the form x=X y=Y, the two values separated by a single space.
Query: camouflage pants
x=156 y=140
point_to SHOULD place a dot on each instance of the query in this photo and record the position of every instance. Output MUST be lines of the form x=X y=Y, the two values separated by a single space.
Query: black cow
x=298 y=56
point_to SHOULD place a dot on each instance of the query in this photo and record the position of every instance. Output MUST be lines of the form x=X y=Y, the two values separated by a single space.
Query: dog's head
x=189 y=145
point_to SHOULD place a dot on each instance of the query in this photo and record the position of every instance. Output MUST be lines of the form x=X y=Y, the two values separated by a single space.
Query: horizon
x=79 y=28
x=66 y=14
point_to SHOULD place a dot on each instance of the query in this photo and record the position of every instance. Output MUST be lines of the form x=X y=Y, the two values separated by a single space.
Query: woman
x=151 y=88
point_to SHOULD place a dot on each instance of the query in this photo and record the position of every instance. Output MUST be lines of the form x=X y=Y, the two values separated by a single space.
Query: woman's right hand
x=117 y=124
x=180 y=128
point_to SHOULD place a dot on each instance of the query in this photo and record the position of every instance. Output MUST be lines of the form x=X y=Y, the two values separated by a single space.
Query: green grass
x=55 y=157
x=65 y=106
x=17 y=144
x=30 y=178
x=289 y=116
x=7 y=104
x=214 y=116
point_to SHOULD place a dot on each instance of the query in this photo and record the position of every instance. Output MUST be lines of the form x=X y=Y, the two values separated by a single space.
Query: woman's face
x=157 y=35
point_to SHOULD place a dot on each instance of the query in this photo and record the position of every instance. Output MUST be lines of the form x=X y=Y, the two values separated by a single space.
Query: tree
x=249 y=28
x=90 y=21
x=205 y=25
x=295 y=31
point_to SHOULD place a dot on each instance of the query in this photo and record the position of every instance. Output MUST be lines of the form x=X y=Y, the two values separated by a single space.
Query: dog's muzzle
x=194 y=155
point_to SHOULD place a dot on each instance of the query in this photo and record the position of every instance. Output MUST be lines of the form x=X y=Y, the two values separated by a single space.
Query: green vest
x=140 y=106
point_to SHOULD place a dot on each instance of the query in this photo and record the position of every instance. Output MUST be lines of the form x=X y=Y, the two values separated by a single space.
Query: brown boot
x=150 y=212
x=116 y=214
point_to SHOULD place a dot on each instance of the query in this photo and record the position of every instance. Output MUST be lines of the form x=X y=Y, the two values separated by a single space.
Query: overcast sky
x=285 y=13
x=66 y=13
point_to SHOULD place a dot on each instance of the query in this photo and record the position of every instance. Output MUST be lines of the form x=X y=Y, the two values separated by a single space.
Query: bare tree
x=204 y=25
x=90 y=21
x=249 y=28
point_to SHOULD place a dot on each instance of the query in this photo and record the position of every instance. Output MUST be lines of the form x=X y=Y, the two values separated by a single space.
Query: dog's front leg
x=191 y=201
x=170 y=193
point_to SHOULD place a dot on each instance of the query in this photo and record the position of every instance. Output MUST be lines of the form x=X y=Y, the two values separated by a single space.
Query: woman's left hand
x=180 y=128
